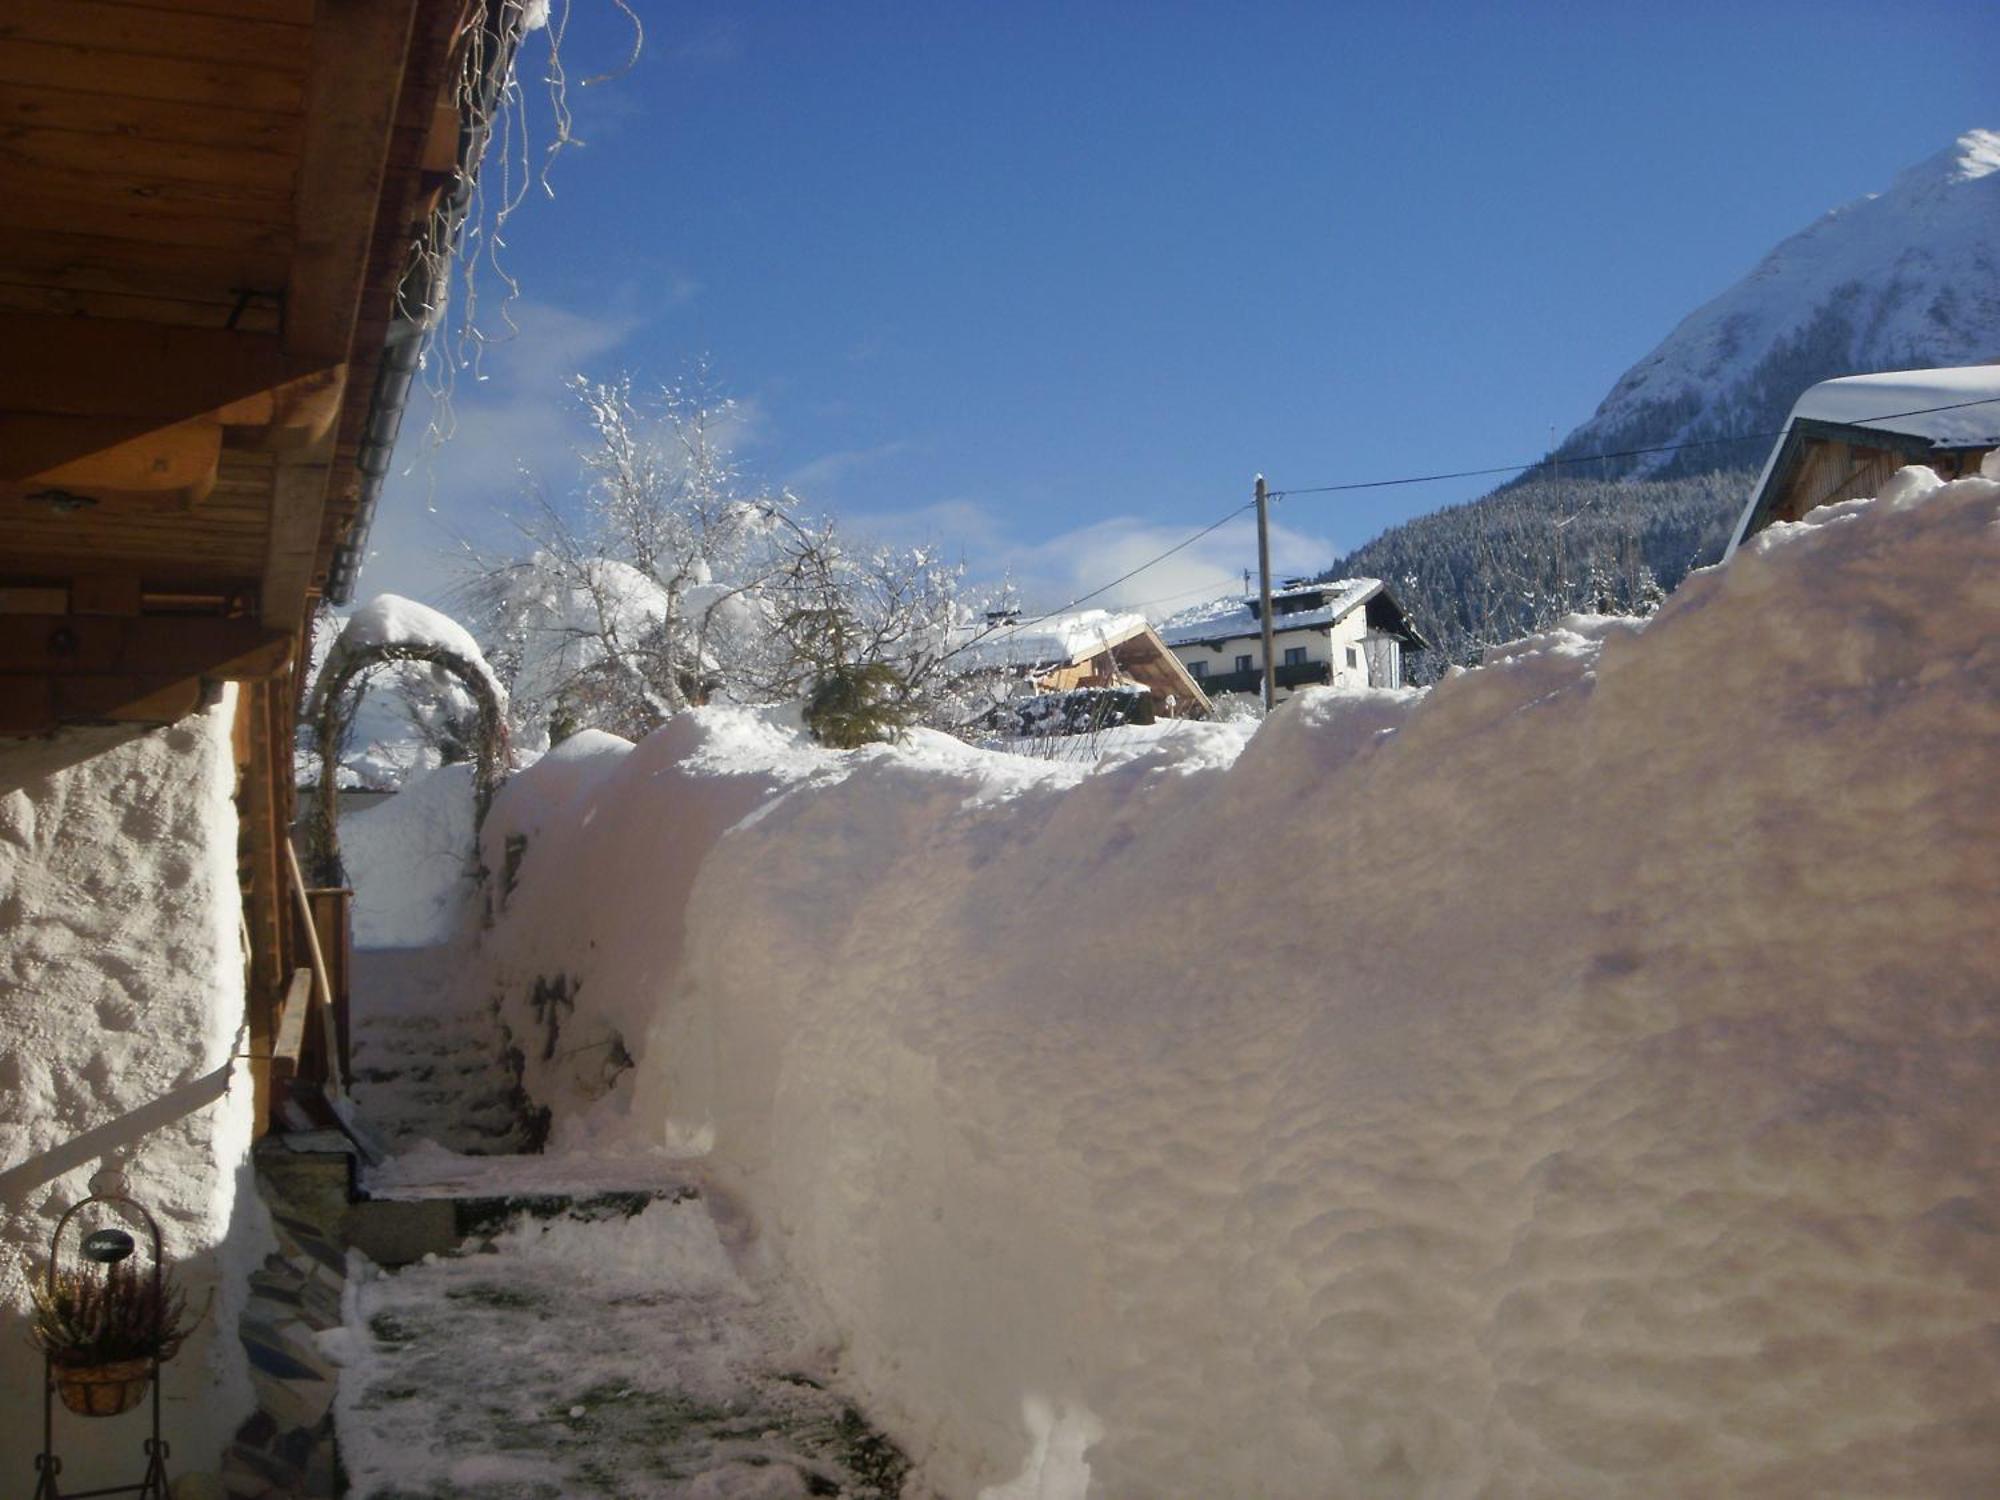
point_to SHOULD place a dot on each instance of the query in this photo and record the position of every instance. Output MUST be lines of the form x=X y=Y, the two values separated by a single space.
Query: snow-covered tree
x=671 y=581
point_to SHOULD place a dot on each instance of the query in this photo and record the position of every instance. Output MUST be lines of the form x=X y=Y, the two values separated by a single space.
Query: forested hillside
x=1520 y=558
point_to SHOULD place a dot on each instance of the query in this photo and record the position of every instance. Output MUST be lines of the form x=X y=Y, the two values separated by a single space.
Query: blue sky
x=1047 y=284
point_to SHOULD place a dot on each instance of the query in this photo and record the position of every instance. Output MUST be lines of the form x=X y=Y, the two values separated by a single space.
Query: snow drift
x=1575 y=1080
x=409 y=860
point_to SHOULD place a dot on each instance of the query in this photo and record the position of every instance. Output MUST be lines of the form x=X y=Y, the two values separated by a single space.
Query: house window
x=1295 y=656
x=1243 y=664
x=1198 y=668
x=1352 y=659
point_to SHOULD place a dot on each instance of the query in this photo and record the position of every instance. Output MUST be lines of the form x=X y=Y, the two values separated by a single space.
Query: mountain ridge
x=1908 y=278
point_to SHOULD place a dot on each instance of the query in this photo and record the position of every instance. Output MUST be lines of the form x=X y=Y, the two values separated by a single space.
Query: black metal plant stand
x=106 y=1247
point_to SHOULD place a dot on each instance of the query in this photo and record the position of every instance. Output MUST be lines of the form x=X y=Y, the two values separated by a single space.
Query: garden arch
x=337 y=697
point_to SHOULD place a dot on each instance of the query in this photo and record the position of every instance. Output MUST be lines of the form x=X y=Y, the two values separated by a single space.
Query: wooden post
x=332 y=919
x=336 y=1082
x=1264 y=592
x=265 y=717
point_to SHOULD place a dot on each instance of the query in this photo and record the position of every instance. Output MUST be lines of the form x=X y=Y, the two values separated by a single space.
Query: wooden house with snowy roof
x=1846 y=437
x=1093 y=651
x=1347 y=632
x=224 y=230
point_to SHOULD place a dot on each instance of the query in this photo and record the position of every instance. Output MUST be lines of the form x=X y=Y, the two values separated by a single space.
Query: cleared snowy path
x=427 y=1067
x=614 y=1331
x=594 y=1352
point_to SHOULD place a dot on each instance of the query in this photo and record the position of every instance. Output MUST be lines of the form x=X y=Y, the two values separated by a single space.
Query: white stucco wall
x=1321 y=643
x=121 y=991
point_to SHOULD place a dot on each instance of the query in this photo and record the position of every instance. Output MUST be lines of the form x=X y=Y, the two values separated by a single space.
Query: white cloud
x=508 y=415
x=828 y=470
x=1082 y=560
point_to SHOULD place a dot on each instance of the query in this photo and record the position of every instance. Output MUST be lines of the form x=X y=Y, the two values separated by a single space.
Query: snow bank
x=410 y=861
x=1577 y=1080
x=121 y=991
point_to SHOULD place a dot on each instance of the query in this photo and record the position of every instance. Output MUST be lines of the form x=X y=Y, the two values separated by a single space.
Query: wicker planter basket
x=103 y=1390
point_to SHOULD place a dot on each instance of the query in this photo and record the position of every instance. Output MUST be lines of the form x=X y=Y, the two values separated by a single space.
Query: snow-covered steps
x=611 y=1329
x=427 y=1068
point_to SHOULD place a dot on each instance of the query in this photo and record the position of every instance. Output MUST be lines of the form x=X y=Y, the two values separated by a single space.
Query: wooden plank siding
x=1831 y=472
x=188 y=183
x=158 y=33
x=150 y=153
x=85 y=70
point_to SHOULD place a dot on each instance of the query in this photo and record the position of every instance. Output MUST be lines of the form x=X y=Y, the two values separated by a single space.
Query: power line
x=1015 y=627
x=1581 y=458
x=1200 y=588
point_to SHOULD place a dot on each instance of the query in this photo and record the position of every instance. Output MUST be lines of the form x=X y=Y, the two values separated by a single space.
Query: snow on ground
x=429 y=1170
x=410 y=861
x=645 y=1358
x=1120 y=741
x=1574 y=1080
x=429 y=1058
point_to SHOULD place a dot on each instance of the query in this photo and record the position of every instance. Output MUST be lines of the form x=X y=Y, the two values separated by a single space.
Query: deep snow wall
x=121 y=990
x=1577 y=1079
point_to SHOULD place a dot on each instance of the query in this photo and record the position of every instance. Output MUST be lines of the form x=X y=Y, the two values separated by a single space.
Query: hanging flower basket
x=104 y=1390
x=105 y=1325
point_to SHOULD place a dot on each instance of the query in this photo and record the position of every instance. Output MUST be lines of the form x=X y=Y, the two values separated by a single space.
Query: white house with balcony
x=1344 y=632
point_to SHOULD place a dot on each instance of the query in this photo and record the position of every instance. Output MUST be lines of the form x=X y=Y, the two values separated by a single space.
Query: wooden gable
x=210 y=206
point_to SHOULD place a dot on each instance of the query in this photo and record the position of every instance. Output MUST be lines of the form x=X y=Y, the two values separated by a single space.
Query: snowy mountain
x=1904 y=279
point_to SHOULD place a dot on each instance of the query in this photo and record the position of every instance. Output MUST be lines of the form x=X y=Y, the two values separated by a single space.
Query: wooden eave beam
x=154 y=373
x=291 y=552
x=80 y=668
x=84 y=645
x=354 y=88
x=109 y=406
x=356 y=74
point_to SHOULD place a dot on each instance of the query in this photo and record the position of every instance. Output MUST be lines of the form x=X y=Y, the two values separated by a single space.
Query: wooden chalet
x=218 y=254
x=1846 y=437
x=1094 y=650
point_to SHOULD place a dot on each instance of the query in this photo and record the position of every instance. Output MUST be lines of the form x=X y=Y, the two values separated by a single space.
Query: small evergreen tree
x=852 y=702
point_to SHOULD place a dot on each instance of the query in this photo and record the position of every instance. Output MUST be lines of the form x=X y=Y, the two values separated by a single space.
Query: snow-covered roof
x=1957 y=407
x=1909 y=402
x=1231 y=616
x=1060 y=638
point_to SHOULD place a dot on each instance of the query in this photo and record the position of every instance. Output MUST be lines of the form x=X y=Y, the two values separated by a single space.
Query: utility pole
x=1264 y=591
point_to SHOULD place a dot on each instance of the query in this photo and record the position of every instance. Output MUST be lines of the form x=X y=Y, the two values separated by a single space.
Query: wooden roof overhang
x=1138 y=652
x=1819 y=462
x=1386 y=615
x=207 y=210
